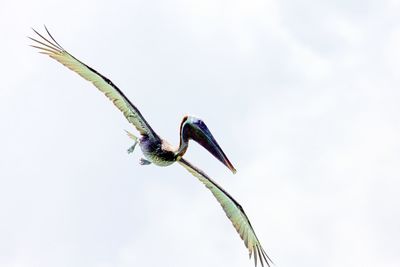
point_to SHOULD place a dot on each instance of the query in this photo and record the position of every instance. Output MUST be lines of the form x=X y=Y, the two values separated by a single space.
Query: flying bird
x=157 y=150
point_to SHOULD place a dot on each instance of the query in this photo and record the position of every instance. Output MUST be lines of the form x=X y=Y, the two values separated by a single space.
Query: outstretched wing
x=234 y=212
x=55 y=51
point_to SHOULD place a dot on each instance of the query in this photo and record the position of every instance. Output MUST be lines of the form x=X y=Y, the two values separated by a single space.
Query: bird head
x=195 y=129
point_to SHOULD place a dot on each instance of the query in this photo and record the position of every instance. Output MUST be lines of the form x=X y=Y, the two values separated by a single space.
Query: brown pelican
x=157 y=150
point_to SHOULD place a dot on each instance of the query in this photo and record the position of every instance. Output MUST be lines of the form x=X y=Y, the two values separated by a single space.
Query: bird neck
x=183 y=146
x=184 y=140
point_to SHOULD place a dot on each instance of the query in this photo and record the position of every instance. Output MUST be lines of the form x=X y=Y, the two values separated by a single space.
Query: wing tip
x=46 y=42
x=260 y=255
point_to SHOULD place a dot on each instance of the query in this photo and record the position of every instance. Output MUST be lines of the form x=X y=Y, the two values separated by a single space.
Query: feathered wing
x=234 y=212
x=55 y=51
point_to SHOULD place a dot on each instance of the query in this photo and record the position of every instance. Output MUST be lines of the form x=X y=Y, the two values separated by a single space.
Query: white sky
x=303 y=96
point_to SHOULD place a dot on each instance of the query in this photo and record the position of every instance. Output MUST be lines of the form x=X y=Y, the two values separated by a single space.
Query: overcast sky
x=303 y=96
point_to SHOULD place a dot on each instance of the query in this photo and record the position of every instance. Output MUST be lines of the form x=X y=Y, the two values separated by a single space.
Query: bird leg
x=133 y=137
x=143 y=161
x=132 y=148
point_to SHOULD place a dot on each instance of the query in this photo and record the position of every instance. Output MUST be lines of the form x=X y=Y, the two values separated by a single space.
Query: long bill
x=195 y=129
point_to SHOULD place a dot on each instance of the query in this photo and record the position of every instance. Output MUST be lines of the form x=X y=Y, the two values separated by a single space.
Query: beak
x=202 y=135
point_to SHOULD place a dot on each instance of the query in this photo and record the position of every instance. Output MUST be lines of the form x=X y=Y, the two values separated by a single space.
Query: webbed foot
x=133 y=137
x=143 y=161
x=132 y=148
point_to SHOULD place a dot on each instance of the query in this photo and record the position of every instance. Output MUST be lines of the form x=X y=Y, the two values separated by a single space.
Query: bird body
x=157 y=150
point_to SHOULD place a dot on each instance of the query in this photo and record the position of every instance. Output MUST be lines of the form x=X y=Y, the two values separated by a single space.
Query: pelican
x=157 y=150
